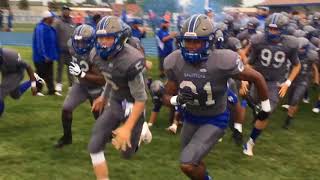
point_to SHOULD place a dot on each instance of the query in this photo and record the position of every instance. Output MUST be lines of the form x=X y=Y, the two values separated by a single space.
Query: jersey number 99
x=267 y=56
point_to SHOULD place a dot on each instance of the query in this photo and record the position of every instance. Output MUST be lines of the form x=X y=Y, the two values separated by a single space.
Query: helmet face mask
x=110 y=28
x=196 y=39
x=276 y=25
x=83 y=39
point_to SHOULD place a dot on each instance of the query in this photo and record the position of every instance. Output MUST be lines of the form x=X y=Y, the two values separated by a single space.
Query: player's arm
x=251 y=75
x=122 y=135
x=99 y=103
x=296 y=66
x=170 y=89
x=95 y=76
x=169 y=37
x=316 y=73
x=92 y=75
x=32 y=78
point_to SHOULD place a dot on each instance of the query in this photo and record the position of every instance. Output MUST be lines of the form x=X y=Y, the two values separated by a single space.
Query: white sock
x=238 y=127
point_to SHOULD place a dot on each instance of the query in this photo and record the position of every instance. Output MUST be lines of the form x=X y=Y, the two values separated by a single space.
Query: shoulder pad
x=134 y=42
x=224 y=59
x=290 y=41
x=92 y=55
x=234 y=43
x=313 y=55
x=171 y=60
x=135 y=68
x=257 y=38
x=243 y=35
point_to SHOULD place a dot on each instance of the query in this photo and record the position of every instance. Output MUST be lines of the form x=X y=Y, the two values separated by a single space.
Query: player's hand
x=148 y=65
x=121 y=138
x=244 y=88
x=75 y=69
x=98 y=104
x=283 y=89
x=173 y=34
x=34 y=91
x=185 y=98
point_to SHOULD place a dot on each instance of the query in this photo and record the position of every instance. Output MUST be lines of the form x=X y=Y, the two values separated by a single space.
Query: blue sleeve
x=161 y=35
x=232 y=97
x=40 y=43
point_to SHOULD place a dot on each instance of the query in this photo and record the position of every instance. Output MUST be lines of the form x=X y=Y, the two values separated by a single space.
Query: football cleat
x=58 y=87
x=173 y=128
x=40 y=94
x=248 y=148
x=63 y=141
x=285 y=106
x=306 y=100
x=316 y=110
x=39 y=79
x=58 y=93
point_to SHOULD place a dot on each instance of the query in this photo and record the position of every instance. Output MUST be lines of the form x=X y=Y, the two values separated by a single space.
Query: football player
x=270 y=53
x=88 y=83
x=308 y=58
x=124 y=96
x=197 y=80
x=12 y=69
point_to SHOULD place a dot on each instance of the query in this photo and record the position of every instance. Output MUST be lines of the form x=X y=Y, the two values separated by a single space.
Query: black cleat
x=237 y=137
x=286 y=125
x=63 y=141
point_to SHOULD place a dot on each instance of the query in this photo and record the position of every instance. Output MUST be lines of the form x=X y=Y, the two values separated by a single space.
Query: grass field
x=31 y=125
x=23 y=27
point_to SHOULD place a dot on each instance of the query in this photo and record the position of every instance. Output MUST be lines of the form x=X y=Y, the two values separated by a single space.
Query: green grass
x=31 y=125
x=23 y=27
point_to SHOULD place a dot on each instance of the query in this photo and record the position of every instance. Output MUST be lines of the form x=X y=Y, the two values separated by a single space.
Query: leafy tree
x=23 y=4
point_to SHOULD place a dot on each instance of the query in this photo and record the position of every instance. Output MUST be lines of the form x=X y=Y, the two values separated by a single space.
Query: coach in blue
x=45 y=49
x=164 y=43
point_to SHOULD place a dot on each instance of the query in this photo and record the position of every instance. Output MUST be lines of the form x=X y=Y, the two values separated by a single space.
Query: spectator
x=262 y=14
x=167 y=16
x=152 y=19
x=209 y=13
x=10 y=20
x=136 y=25
x=95 y=19
x=78 y=19
x=1 y=20
x=88 y=18
x=45 y=50
x=164 y=43
x=64 y=27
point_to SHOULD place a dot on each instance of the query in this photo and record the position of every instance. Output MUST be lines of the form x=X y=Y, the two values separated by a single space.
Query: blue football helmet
x=277 y=21
x=197 y=27
x=110 y=26
x=83 y=39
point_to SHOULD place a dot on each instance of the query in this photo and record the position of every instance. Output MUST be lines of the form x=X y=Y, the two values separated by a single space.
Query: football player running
x=12 y=69
x=88 y=83
x=269 y=55
x=300 y=85
x=197 y=80
x=124 y=96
